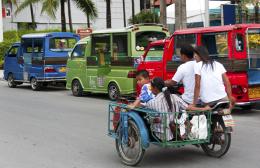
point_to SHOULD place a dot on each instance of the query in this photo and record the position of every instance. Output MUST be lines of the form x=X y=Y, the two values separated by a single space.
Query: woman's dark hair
x=203 y=53
x=159 y=84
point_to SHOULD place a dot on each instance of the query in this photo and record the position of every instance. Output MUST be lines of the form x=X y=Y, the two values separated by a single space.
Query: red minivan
x=237 y=47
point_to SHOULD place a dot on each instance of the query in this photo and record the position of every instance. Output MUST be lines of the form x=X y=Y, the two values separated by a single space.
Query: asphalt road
x=53 y=129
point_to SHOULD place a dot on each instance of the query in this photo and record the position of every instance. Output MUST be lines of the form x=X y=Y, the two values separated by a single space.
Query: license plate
x=62 y=69
x=254 y=92
x=228 y=121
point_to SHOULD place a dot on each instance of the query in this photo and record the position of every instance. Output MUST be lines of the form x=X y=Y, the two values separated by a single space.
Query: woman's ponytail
x=167 y=95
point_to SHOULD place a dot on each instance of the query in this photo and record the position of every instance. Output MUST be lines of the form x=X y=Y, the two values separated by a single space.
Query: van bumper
x=248 y=103
x=52 y=79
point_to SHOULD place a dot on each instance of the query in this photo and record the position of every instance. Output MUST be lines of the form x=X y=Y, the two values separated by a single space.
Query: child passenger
x=146 y=94
x=166 y=102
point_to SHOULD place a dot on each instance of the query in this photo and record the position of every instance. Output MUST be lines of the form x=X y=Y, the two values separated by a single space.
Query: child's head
x=142 y=77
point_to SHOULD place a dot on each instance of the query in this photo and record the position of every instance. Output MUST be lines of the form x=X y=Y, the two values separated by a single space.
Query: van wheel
x=76 y=88
x=113 y=91
x=35 y=85
x=11 y=82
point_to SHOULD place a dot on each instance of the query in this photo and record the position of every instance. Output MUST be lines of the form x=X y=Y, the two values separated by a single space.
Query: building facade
x=12 y=22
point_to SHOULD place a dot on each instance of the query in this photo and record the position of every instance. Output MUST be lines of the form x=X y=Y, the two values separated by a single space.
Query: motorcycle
x=136 y=129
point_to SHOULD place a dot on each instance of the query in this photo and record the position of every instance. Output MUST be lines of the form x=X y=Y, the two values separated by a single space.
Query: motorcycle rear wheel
x=219 y=137
x=131 y=153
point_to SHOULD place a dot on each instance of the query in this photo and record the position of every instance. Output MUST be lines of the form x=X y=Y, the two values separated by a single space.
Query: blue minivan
x=39 y=59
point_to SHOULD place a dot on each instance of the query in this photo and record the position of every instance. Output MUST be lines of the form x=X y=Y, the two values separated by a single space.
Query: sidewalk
x=1 y=74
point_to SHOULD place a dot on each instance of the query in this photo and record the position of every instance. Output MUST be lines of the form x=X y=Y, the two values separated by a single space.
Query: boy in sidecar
x=146 y=94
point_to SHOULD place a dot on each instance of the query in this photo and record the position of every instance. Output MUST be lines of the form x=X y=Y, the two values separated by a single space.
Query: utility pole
x=206 y=22
x=180 y=14
x=163 y=16
x=1 y=24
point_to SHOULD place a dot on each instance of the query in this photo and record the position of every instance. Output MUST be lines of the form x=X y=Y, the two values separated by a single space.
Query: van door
x=253 y=51
x=37 y=68
x=11 y=64
x=27 y=50
x=98 y=63
x=76 y=65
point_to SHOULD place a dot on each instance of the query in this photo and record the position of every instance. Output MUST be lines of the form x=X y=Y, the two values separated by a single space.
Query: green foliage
x=145 y=17
x=11 y=37
x=88 y=7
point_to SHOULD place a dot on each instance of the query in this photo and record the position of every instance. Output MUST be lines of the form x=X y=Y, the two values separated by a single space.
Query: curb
x=1 y=75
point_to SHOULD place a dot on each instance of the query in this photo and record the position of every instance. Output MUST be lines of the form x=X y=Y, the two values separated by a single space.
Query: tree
x=69 y=15
x=89 y=9
x=145 y=16
x=63 y=16
x=124 y=13
x=133 y=10
x=50 y=7
x=180 y=14
x=255 y=3
x=163 y=16
x=242 y=6
x=25 y=4
x=108 y=13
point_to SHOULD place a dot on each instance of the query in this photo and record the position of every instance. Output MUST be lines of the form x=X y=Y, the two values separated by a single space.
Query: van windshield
x=254 y=48
x=144 y=38
x=155 y=53
x=59 y=44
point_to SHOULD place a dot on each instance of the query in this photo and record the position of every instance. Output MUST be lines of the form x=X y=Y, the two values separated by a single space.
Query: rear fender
x=142 y=128
x=217 y=117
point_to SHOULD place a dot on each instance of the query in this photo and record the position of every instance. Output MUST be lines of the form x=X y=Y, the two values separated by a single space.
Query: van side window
x=79 y=51
x=27 y=46
x=38 y=46
x=239 y=42
x=59 y=44
x=101 y=48
x=37 y=49
x=180 y=40
x=216 y=43
x=120 y=50
x=13 y=51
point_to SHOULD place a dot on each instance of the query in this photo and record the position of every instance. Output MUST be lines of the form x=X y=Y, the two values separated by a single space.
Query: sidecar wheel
x=219 y=142
x=132 y=153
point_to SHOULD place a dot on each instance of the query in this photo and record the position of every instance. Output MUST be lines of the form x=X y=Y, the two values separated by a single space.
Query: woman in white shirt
x=211 y=82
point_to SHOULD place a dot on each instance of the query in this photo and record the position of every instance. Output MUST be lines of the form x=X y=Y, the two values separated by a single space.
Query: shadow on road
x=177 y=157
x=255 y=111
x=100 y=96
x=44 y=89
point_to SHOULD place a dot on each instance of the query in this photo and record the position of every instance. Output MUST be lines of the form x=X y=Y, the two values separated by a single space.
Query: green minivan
x=105 y=61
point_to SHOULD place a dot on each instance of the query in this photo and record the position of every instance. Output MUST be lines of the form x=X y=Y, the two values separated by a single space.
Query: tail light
x=237 y=89
x=49 y=69
x=131 y=74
